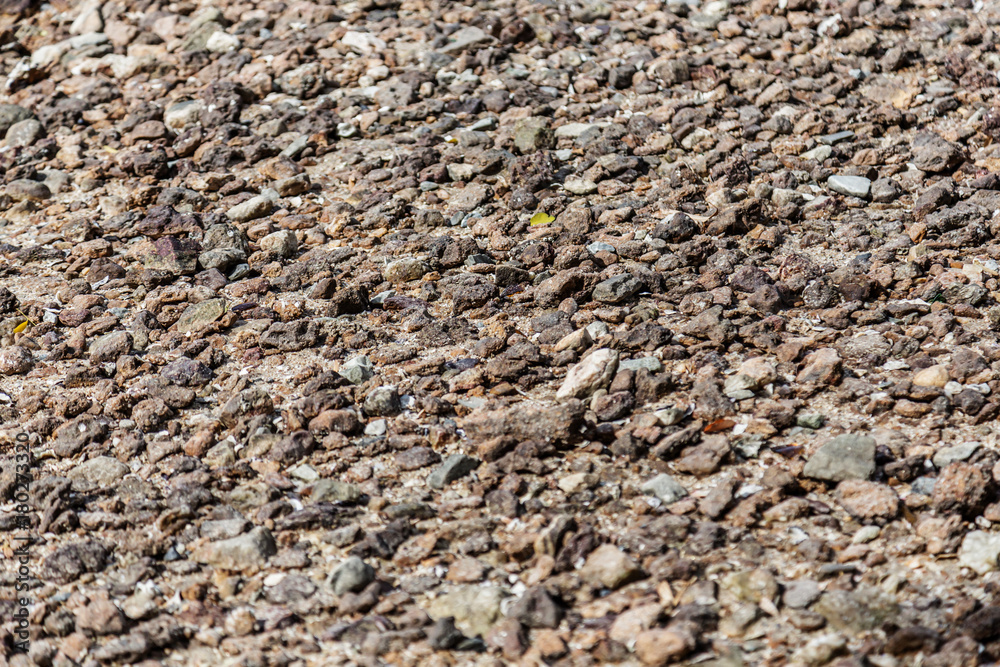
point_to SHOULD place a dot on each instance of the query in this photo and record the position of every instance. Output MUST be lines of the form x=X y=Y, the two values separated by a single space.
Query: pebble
x=199 y=315
x=247 y=552
x=24 y=133
x=932 y=376
x=475 y=609
x=591 y=374
x=454 y=467
x=666 y=488
x=251 y=209
x=351 y=576
x=854 y=186
x=980 y=551
x=580 y=186
x=948 y=455
x=849 y=456
x=358 y=370
x=609 y=567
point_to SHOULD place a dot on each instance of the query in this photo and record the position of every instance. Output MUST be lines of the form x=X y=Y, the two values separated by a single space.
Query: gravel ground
x=421 y=333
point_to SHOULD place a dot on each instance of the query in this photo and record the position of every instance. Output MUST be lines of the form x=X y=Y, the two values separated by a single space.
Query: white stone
x=222 y=42
x=183 y=114
x=854 y=186
x=591 y=374
x=364 y=43
x=980 y=551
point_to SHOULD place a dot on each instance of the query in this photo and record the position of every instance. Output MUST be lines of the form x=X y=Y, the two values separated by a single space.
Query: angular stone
x=593 y=373
x=475 y=608
x=247 y=552
x=607 y=566
x=454 y=467
x=849 y=456
x=197 y=316
x=854 y=186
x=666 y=488
x=357 y=370
x=351 y=576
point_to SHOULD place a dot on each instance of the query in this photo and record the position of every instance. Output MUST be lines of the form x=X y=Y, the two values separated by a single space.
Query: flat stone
x=247 y=552
x=454 y=467
x=947 y=455
x=849 y=456
x=199 y=315
x=617 y=289
x=666 y=488
x=332 y=490
x=99 y=472
x=854 y=186
x=251 y=209
x=466 y=38
x=23 y=189
x=651 y=364
x=475 y=608
x=820 y=153
x=836 y=137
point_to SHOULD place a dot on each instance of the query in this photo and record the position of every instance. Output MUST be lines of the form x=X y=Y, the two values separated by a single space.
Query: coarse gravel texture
x=428 y=333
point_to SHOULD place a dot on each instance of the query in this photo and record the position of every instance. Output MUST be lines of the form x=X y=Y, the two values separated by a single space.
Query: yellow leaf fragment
x=541 y=218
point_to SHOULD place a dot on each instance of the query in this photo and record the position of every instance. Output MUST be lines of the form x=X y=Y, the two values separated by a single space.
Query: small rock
x=752 y=585
x=15 y=360
x=932 y=376
x=593 y=373
x=533 y=134
x=405 y=270
x=854 y=186
x=332 y=490
x=663 y=647
x=609 y=567
x=283 y=243
x=948 y=455
x=868 y=501
x=24 y=189
x=800 y=593
x=666 y=488
x=197 y=316
x=849 y=456
x=247 y=552
x=475 y=609
x=980 y=551
x=111 y=346
x=382 y=402
x=617 y=289
x=580 y=186
x=222 y=42
x=99 y=472
x=24 y=133
x=454 y=467
x=351 y=576
x=251 y=209
x=357 y=370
